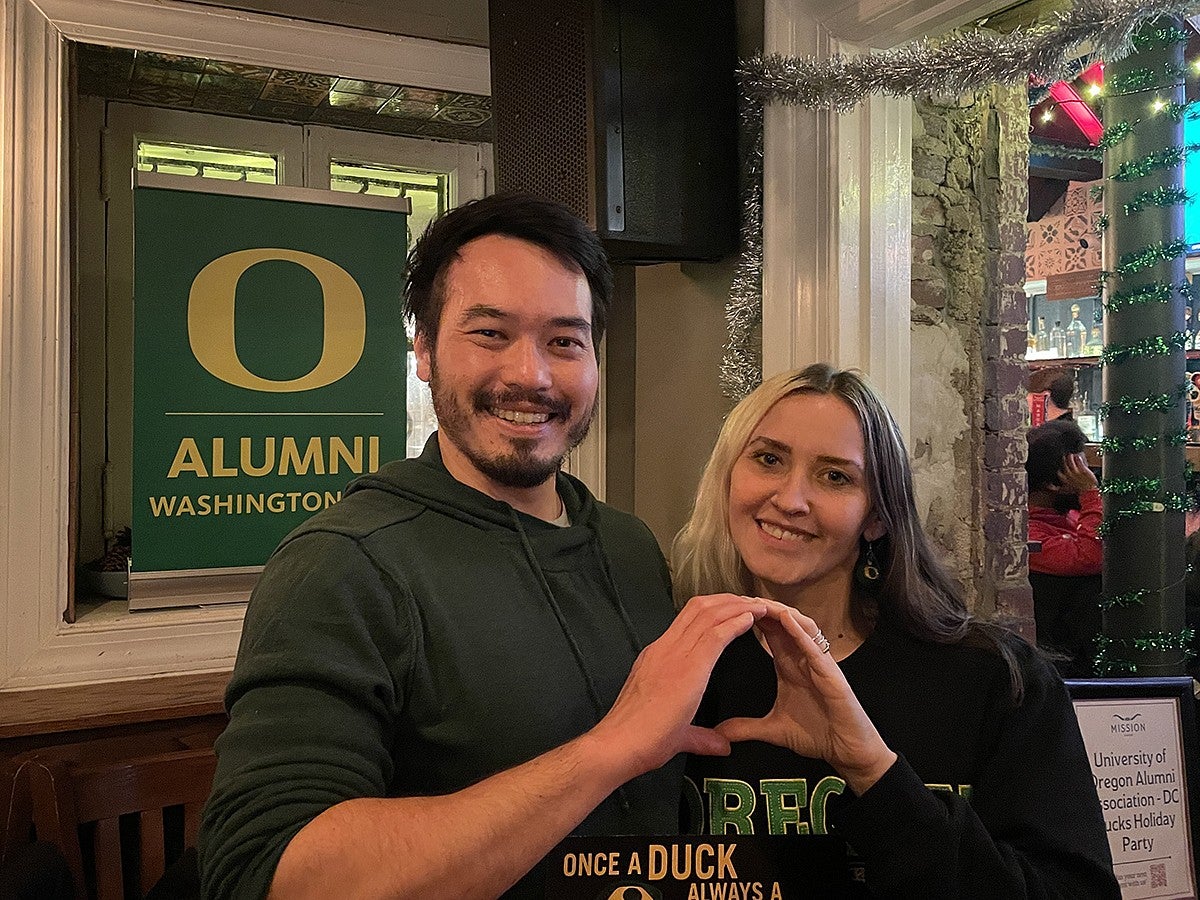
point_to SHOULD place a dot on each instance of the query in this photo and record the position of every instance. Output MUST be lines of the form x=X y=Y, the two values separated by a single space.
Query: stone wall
x=970 y=196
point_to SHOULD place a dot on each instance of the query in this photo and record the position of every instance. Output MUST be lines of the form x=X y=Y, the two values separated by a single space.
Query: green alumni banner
x=269 y=362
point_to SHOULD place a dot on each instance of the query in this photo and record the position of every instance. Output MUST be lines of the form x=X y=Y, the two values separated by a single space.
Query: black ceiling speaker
x=626 y=111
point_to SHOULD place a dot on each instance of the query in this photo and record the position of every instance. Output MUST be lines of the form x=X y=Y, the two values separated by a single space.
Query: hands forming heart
x=816 y=713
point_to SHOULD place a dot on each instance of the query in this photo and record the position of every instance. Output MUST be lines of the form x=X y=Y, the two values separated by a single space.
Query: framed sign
x=1141 y=741
x=269 y=370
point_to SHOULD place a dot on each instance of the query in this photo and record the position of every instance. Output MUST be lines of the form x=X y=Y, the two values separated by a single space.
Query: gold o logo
x=631 y=892
x=211 y=320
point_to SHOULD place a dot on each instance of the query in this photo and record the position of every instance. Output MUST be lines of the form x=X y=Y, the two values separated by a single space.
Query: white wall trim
x=37 y=648
x=797 y=179
x=246 y=37
x=837 y=227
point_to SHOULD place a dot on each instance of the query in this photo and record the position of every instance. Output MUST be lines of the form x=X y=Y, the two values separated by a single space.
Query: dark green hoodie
x=419 y=636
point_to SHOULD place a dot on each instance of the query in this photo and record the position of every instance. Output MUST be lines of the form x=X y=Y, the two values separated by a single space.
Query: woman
x=942 y=749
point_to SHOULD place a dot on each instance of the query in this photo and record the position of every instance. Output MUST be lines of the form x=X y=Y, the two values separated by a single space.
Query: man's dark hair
x=547 y=224
x=1062 y=389
x=1049 y=444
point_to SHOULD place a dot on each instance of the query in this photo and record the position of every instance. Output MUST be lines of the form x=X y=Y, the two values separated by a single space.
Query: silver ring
x=821 y=641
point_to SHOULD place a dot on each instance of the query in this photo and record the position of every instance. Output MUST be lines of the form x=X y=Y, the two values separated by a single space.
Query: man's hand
x=816 y=713
x=651 y=720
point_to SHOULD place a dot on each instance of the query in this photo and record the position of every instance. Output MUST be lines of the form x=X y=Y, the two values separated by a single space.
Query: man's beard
x=519 y=467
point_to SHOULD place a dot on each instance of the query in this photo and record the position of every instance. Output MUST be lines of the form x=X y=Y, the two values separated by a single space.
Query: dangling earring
x=868 y=570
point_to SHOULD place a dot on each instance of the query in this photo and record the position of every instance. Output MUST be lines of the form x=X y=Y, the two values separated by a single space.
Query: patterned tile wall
x=1065 y=239
x=280 y=95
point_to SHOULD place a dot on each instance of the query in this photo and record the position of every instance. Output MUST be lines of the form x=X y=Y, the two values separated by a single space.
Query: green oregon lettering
x=211 y=320
x=781 y=814
x=731 y=803
x=721 y=813
x=829 y=786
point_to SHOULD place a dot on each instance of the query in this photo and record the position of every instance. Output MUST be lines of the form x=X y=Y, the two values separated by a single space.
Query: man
x=1058 y=404
x=431 y=689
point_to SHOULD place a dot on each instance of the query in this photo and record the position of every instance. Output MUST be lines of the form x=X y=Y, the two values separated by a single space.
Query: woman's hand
x=1075 y=475
x=816 y=713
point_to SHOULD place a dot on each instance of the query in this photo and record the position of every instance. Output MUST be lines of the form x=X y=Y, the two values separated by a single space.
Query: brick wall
x=970 y=196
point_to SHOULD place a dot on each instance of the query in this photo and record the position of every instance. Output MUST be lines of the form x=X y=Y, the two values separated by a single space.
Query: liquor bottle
x=1058 y=339
x=1041 y=342
x=1076 y=333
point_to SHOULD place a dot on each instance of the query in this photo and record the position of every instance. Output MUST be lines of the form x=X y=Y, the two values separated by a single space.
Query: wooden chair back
x=16 y=829
x=79 y=807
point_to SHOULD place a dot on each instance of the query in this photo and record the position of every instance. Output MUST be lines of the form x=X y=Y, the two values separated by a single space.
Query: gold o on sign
x=211 y=303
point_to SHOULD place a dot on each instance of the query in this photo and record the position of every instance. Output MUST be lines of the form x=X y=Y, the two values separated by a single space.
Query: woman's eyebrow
x=770 y=444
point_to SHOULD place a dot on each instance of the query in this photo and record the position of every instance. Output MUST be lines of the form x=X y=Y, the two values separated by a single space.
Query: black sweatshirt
x=988 y=799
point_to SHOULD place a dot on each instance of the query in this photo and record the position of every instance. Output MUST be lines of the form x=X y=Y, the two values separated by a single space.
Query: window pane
x=429 y=193
x=207 y=162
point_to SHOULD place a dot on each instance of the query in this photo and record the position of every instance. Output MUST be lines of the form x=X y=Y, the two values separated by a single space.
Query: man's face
x=513 y=372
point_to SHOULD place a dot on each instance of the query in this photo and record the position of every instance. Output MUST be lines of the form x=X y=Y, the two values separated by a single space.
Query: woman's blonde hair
x=914 y=589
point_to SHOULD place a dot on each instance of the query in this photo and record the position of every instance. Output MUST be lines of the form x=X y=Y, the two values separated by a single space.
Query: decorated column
x=1143 y=359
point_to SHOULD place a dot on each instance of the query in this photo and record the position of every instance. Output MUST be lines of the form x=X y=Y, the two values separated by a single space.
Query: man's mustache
x=485 y=400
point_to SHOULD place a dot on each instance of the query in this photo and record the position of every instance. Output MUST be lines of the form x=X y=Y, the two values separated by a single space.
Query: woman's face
x=798 y=499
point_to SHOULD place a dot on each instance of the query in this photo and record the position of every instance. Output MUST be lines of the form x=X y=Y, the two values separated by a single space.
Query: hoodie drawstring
x=593 y=695
x=615 y=593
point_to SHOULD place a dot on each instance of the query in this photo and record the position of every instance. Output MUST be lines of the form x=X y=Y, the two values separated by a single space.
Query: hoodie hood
x=424 y=480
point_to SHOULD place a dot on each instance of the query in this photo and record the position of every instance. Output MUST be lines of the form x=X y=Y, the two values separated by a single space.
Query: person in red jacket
x=1064 y=502
x=1064 y=513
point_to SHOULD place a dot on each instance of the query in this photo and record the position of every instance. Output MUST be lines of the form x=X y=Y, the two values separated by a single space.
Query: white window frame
x=38 y=649
x=837 y=201
x=837 y=225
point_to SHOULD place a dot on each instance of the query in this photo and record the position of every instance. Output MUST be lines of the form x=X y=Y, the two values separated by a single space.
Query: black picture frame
x=1182 y=691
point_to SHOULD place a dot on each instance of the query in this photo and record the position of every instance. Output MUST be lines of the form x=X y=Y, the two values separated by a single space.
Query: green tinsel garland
x=1113 y=135
x=1135 y=81
x=1121 y=601
x=1166 y=641
x=1151 y=292
x=1138 y=405
x=1168 y=503
x=1144 y=495
x=1158 y=38
x=1105 y=664
x=1161 y=196
x=1151 y=346
x=1180 y=111
x=1140 y=487
x=1166 y=158
x=1061 y=151
x=1119 y=445
x=1148 y=257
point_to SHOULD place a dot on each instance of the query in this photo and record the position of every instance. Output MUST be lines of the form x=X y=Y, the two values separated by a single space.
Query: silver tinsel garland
x=956 y=65
x=962 y=63
x=741 y=366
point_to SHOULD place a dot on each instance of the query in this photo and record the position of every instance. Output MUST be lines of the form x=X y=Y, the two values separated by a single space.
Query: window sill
x=49 y=710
